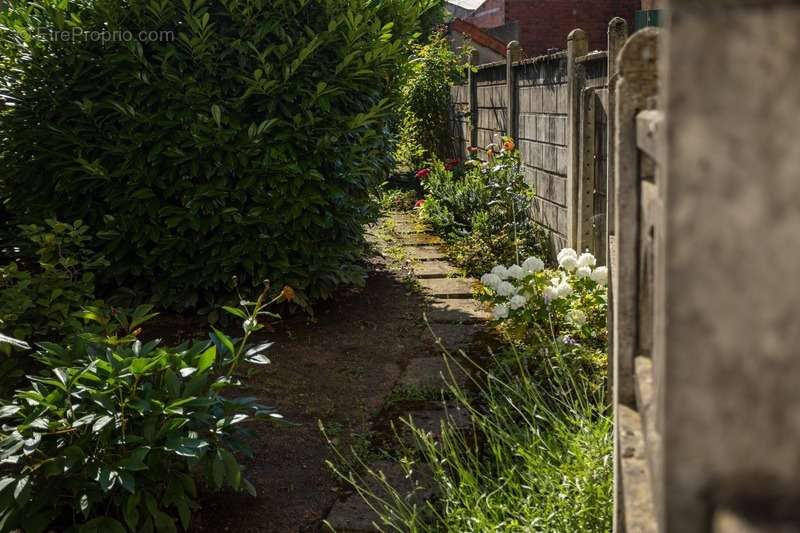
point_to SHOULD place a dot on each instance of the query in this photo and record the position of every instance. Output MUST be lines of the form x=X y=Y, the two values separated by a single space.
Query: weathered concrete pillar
x=577 y=46
x=637 y=82
x=587 y=156
x=473 y=98
x=513 y=55
x=617 y=35
x=732 y=415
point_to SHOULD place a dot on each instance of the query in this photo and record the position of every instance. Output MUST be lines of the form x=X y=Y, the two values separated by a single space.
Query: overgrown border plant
x=115 y=433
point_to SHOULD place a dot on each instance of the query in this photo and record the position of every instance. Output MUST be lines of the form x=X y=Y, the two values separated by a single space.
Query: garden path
x=366 y=359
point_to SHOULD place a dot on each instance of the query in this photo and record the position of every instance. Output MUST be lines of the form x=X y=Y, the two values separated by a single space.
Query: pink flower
x=419 y=203
x=423 y=173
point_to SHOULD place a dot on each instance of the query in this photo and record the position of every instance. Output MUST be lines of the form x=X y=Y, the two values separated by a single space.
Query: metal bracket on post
x=513 y=55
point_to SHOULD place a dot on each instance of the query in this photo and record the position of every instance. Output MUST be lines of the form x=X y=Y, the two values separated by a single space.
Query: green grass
x=538 y=460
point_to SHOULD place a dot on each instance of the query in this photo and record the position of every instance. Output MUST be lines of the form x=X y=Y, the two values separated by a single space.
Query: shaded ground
x=339 y=370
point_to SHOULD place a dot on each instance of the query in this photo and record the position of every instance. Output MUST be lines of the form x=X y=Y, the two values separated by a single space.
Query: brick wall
x=544 y=23
x=490 y=15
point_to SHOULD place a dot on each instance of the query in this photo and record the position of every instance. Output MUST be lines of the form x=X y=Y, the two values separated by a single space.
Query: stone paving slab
x=448 y=287
x=421 y=239
x=455 y=337
x=425 y=253
x=431 y=373
x=433 y=269
x=354 y=515
x=456 y=311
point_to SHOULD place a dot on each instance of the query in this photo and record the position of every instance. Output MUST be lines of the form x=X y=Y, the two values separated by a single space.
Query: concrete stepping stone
x=354 y=515
x=448 y=287
x=456 y=311
x=455 y=337
x=421 y=239
x=433 y=269
x=431 y=373
x=425 y=253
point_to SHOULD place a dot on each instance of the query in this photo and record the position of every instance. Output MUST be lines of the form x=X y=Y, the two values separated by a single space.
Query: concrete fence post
x=577 y=46
x=513 y=55
x=472 y=83
x=731 y=427
x=617 y=35
x=637 y=82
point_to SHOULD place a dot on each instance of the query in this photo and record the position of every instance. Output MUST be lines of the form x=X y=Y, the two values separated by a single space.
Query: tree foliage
x=233 y=137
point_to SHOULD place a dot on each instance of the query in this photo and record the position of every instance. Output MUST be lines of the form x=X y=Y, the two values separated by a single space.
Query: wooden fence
x=544 y=103
x=678 y=153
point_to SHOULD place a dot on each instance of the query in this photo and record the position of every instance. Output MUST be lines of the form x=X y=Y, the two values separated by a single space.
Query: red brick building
x=542 y=25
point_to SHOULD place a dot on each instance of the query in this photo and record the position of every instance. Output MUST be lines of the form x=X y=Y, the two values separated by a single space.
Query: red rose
x=423 y=173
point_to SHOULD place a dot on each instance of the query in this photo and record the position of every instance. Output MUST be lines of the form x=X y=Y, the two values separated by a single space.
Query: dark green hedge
x=246 y=146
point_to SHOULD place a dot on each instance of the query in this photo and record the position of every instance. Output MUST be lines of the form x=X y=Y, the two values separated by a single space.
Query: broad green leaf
x=206 y=359
x=235 y=311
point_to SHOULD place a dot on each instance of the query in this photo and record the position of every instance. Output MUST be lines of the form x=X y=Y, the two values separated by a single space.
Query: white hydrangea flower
x=587 y=260
x=504 y=288
x=600 y=275
x=583 y=272
x=565 y=253
x=550 y=294
x=577 y=317
x=568 y=263
x=500 y=311
x=533 y=264
x=565 y=289
x=517 y=302
x=516 y=272
x=491 y=280
x=500 y=271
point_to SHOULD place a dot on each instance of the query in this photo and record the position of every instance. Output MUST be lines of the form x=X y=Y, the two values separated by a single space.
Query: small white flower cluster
x=559 y=288
x=582 y=265
x=497 y=281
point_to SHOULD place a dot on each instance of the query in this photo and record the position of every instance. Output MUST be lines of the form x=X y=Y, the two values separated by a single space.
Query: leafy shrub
x=483 y=209
x=39 y=299
x=116 y=431
x=452 y=199
x=425 y=131
x=245 y=139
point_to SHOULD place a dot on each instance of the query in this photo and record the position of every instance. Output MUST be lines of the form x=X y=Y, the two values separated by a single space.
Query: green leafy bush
x=38 y=297
x=483 y=210
x=425 y=128
x=234 y=137
x=114 y=434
